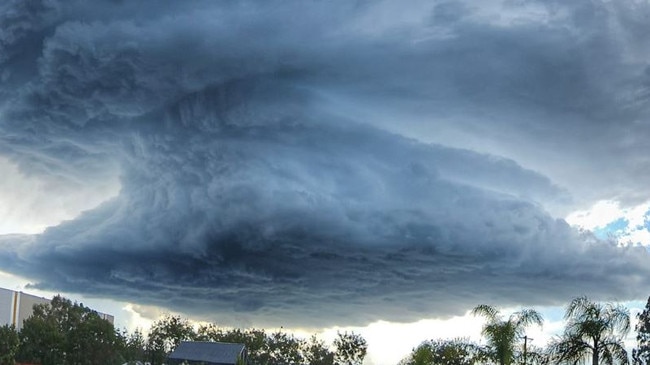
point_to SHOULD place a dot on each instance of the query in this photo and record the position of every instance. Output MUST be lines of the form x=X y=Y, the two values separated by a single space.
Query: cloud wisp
x=243 y=191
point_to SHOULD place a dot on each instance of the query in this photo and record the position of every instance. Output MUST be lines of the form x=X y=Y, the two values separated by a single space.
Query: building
x=208 y=353
x=15 y=307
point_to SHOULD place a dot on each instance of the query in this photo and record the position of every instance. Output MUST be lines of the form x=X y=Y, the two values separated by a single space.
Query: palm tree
x=502 y=335
x=593 y=329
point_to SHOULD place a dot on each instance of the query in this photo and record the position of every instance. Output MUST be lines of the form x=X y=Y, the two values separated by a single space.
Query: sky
x=326 y=164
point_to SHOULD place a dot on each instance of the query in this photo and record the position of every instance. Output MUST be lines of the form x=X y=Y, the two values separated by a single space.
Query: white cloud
x=604 y=213
x=31 y=203
x=598 y=216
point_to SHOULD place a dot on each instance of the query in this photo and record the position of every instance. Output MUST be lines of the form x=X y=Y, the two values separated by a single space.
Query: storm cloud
x=319 y=163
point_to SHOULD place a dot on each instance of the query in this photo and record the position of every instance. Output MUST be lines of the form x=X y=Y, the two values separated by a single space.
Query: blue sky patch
x=614 y=228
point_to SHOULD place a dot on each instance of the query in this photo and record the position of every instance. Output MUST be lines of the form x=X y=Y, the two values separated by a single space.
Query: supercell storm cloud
x=315 y=163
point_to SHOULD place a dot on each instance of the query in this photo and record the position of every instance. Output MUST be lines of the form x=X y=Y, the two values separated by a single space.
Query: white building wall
x=25 y=304
x=6 y=306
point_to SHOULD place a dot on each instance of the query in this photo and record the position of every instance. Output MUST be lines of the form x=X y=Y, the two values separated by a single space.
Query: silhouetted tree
x=285 y=348
x=165 y=334
x=504 y=334
x=132 y=346
x=445 y=352
x=351 y=349
x=317 y=353
x=256 y=341
x=641 y=354
x=537 y=356
x=595 y=330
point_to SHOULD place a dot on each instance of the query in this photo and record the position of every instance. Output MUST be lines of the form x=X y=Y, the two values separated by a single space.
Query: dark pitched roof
x=209 y=352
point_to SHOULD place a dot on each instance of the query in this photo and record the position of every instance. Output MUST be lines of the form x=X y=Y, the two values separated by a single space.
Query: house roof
x=208 y=352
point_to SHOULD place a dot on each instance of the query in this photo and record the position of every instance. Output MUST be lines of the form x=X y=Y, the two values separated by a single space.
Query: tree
x=445 y=352
x=275 y=348
x=9 y=342
x=165 y=334
x=283 y=348
x=537 y=356
x=316 y=353
x=66 y=333
x=424 y=354
x=593 y=329
x=256 y=341
x=132 y=346
x=351 y=349
x=641 y=354
x=503 y=335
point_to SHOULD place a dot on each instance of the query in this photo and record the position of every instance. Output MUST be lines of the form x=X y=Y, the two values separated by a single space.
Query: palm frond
x=487 y=311
x=619 y=318
x=526 y=317
x=613 y=350
x=579 y=306
x=570 y=350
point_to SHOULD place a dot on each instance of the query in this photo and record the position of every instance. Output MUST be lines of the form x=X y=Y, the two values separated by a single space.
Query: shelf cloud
x=320 y=163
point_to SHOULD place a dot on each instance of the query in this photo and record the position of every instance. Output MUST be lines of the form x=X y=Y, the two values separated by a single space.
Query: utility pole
x=526 y=338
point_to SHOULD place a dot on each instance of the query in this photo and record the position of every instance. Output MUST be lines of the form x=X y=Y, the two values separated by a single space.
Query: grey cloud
x=300 y=223
x=565 y=92
x=244 y=192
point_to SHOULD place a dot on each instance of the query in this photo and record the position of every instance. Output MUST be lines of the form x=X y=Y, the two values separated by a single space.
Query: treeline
x=67 y=333
x=594 y=333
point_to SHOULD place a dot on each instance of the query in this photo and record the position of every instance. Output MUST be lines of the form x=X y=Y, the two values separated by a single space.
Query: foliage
x=593 y=329
x=9 y=342
x=284 y=348
x=503 y=335
x=262 y=347
x=254 y=339
x=537 y=356
x=132 y=346
x=446 y=352
x=351 y=349
x=641 y=354
x=62 y=333
x=165 y=334
x=66 y=333
x=40 y=340
x=316 y=353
